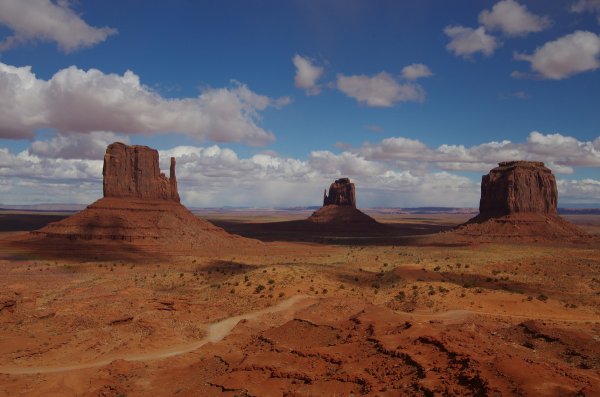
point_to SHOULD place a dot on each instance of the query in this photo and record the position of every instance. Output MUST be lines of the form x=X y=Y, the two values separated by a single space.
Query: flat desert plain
x=302 y=313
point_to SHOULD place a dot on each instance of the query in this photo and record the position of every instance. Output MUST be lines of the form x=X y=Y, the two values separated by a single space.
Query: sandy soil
x=334 y=315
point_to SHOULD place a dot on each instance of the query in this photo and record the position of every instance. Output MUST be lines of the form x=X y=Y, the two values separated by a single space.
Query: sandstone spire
x=341 y=192
x=133 y=171
x=140 y=214
x=339 y=208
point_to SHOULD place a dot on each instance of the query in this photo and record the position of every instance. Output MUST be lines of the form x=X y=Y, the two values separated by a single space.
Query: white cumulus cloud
x=583 y=191
x=571 y=54
x=561 y=153
x=513 y=19
x=48 y=21
x=396 y=171
x=380 y=90
x=82 y=146
x=80 y=101
x=307 y=75
x=581 y=6
x=467 y=41
x=416 y=71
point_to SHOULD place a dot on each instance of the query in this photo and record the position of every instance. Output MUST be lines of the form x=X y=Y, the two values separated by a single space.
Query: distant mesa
x=519 y=199
x=339 y=206
x=140 y=206
x=518 y=187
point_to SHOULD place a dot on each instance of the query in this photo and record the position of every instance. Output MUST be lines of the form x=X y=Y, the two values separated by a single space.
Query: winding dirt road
x=219 y=330
x=214 y=333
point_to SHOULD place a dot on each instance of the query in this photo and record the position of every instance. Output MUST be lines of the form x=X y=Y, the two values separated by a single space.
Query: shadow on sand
x=402 y=275
x=382 y=234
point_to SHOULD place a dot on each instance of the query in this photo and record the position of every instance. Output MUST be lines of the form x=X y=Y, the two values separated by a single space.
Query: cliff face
x=518 y=187
x=339 y=210
x=341 y=192
x=139 y=214
x=133 y=171
x=518 y=202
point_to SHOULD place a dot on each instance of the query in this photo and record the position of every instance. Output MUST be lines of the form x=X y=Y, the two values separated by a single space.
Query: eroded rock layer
x=516 y=187
x=140 y=206
x=121 y=219
x=519 y=201
x=133 y=171
x=341 y=192
x=339 y=207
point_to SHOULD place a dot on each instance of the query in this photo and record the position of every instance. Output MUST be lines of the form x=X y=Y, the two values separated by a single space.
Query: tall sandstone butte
x=339 y=208
x=518 y=187
x=141 y=206
x=133 y=171
x=518 y=200
x=341 y=192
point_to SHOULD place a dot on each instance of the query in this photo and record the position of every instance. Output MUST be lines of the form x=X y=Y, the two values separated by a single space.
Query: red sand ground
x=387 y=315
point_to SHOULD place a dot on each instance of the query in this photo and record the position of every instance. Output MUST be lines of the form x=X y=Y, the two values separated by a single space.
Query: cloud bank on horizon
x=57 y=118
x=393 y=170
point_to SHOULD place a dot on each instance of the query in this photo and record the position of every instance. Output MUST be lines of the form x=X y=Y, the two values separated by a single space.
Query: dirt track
x=378 y=318
x=215 y=332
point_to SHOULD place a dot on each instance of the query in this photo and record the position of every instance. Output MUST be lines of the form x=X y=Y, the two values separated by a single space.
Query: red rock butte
x=341 y=192
x=516 y=187
x=133 y=171
x=339 y=207
x=140 y=206
x=519 y=199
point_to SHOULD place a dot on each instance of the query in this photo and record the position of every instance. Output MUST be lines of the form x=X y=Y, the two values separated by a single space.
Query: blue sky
x=265 y=102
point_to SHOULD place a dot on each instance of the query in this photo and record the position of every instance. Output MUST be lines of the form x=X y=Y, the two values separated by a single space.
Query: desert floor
x=304 y=314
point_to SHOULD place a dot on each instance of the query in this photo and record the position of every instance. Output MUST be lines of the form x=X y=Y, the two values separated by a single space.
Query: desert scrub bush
x=259 y=288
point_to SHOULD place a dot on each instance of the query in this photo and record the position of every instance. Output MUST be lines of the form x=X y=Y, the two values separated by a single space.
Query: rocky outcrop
x=133 y=171
x=140 y=213
x=339 y=209
x=518 y=187
x=341 y=192
x=518 y=201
